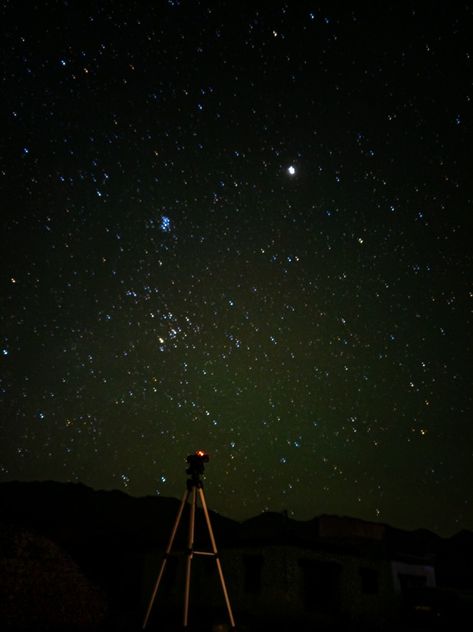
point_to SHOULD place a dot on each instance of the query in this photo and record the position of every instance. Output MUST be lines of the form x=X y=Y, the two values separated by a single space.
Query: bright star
x=291 y=170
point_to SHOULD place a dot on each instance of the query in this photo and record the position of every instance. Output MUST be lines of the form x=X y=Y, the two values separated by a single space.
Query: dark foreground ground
x=211 y=622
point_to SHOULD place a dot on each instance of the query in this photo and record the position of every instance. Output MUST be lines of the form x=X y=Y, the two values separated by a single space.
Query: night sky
x=243 y=227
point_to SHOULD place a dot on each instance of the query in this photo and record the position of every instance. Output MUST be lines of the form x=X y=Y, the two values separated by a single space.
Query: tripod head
x=196 y=467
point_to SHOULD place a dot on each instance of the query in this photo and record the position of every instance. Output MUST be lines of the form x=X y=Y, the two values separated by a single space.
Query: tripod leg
x=190 y=553
x=165 y=558
x=215 y=552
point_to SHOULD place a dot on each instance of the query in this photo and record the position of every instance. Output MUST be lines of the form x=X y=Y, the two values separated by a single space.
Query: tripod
x=194 y=486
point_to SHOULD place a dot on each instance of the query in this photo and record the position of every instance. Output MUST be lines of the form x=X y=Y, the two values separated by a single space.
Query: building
x=328 y=570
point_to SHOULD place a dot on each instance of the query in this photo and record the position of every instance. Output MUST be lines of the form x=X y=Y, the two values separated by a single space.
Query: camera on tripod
x=194 y=490
x=196 y=463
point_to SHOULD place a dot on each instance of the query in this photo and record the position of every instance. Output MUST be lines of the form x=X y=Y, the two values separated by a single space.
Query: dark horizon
x=283 y=512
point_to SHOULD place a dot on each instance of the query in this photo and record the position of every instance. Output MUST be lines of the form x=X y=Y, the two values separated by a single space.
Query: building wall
x=312 y=584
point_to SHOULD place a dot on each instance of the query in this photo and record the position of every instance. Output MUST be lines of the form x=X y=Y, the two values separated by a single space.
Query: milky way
x=243 y=227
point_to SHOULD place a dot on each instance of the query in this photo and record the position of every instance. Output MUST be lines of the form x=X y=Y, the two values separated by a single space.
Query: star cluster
x=243 y=227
